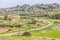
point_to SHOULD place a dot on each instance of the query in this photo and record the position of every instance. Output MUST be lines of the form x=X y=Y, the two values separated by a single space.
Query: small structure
x=3 y=30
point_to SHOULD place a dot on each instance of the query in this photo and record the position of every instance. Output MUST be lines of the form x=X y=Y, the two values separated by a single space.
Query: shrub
x=53 y=39
x=6 y=17
x=17 y=25
x=11 y=26
x=54 y=16
x=56 y=22
x=9 y=29
x=26 y=34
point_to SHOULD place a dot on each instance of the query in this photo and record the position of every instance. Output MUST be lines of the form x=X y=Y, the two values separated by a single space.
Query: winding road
x=15 y=33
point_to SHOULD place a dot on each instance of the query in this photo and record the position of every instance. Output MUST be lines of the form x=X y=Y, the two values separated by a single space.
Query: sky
x=11 y=3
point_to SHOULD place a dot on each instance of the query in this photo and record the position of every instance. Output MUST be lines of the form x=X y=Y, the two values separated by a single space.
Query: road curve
x=15 y=33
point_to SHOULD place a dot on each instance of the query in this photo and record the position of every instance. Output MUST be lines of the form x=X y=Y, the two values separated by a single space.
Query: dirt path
x=41 y=27
x=15 y=33
x=44 y=38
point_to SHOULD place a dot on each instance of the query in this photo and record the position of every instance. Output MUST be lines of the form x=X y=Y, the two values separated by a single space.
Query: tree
x=9 y=19
x=55 y=16
x=6 y=17
x=33 y=21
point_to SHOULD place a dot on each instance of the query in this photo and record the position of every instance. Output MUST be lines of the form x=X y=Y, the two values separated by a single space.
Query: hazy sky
x=10 y=3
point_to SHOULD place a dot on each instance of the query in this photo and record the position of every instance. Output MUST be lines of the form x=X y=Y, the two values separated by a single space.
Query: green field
x=46 y=32
x=26 y=38
x=49 y=32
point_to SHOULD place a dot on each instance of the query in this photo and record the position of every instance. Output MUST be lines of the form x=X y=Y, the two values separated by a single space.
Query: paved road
x=15 y=33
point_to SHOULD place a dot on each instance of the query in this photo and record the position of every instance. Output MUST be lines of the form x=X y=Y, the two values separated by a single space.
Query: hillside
x=29 y=8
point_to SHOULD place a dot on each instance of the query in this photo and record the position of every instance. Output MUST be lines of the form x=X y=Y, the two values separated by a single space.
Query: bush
x=11 y=26
x=9 y=29
x=53 y=39
x=56 y=22
x=26 y=34
x=5 y=17
x=17 y=25
x=54 y=16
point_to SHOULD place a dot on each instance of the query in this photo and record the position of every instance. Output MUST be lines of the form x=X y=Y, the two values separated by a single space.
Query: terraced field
x=48 y=33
